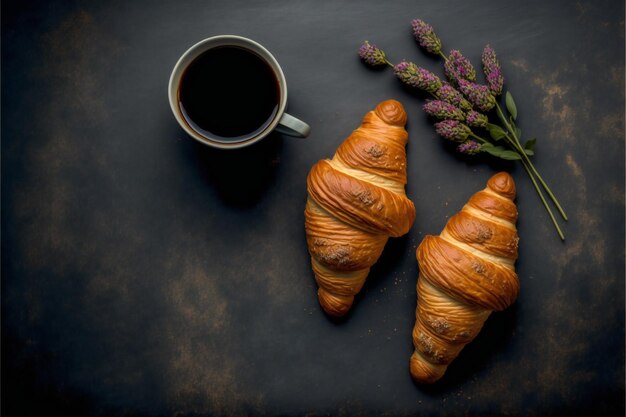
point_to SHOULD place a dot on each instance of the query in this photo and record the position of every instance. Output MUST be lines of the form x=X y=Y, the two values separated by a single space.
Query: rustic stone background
x=146 y=275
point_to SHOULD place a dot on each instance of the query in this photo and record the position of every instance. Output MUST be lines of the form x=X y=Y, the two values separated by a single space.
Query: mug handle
x=292 y=126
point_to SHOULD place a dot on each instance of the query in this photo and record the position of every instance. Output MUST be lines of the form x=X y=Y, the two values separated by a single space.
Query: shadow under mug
x=281 y=121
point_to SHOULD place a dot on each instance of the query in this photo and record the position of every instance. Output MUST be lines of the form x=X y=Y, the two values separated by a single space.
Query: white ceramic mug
x=281 y=122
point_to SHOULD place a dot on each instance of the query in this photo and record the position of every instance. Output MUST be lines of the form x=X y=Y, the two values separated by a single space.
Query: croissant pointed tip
x=333 y=304
x=392 y=112
x=503 y=184
x=423 y=372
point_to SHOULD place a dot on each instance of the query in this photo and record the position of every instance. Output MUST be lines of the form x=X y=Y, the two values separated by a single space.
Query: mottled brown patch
x=194 y=294
x=612 y=125
x=617 y=76
x=80 y=50
x=567 y=110
x=590 y=240
x=566 y=123
x=194 y=347
x=74 y=60
x=575 y=168
x=615 y=194
x=521 y=64
x=202 y=370
x=555 y=108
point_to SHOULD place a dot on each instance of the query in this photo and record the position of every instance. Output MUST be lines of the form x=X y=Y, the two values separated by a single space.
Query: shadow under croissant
x=379 y=275
x=395 y=249
x=494 y=337
x=240 y=176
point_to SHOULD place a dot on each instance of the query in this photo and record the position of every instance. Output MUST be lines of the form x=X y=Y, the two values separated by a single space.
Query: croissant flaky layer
x=465 y=273
x=356 y=201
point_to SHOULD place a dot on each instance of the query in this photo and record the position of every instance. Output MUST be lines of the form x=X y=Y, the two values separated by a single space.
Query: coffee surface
x=229 y=94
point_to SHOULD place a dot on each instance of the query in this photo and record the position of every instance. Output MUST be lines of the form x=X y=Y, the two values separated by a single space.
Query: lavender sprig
x=478 y=95
x=453 y=130
x=470 y=147
x=417 y=77
x=458 y=108
x=492 y=70
x=443 y=110
x=426 y=37
x=457 y=67
x=451 y=95
x=372 y=55
x=475 y=119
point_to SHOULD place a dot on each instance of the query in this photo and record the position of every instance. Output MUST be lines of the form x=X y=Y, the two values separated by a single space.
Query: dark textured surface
x=146 y=275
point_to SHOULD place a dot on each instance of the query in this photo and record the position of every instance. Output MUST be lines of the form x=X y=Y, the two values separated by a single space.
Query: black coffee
x=228 y=94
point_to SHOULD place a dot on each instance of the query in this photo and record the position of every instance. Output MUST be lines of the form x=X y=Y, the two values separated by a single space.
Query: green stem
x=518 y=147
x=481 y=140
x=520 y=150
x=503 y=118
x=543 y=200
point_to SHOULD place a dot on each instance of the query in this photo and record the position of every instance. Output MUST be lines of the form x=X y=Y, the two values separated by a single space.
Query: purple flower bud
x=478 y=95
x=412 y=75
x=492 y=70
x=475 y=119
x=443 y=110
x=489 y=57
x=458 y=67
x=451 y=95
x=495 y=80
x=470 y=147
x=453 y=130
x=372 y=55
x=425 y=36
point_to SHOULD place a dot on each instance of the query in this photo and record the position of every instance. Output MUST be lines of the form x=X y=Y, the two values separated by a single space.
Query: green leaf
x=496 y=131
x=510 y=155
x=500 y=152
x=491 y=149
x=530 y=144
x=496 y=135
x=529 y=147
x=518 y=132
x=510 y=105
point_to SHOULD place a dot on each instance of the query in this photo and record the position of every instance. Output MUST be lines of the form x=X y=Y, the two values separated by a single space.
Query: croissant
x=465 y=273
x=356 y=201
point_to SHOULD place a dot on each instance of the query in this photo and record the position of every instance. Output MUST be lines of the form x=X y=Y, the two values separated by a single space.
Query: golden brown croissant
x=356 y=201
x=465 y=273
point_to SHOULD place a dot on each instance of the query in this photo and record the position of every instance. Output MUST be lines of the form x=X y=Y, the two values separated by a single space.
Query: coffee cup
x=229 y=92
